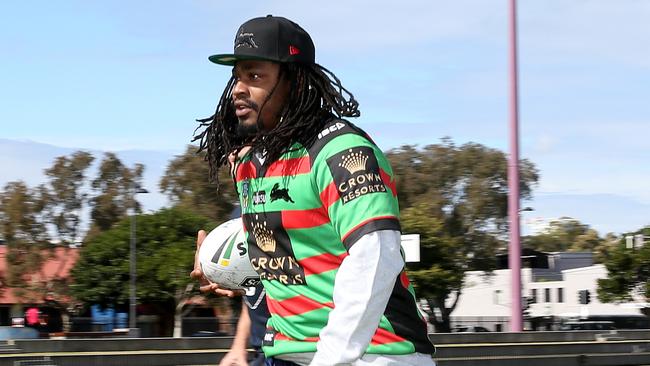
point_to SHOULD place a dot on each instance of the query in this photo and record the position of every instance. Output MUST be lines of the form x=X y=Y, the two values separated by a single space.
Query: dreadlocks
x=315 y=97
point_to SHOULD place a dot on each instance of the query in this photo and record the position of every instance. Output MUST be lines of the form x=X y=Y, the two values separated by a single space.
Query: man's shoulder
x=338 y=132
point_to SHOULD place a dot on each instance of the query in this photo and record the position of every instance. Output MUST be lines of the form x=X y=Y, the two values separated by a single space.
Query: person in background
x=32 y=316
x=250 y=332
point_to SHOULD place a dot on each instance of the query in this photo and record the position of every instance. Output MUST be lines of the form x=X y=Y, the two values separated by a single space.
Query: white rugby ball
x=224 y=257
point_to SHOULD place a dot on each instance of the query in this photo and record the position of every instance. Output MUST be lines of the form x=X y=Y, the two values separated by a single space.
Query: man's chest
x=285 y=184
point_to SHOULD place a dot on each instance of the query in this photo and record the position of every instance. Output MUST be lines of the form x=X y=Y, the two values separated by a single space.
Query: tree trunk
x=440 y=316
x=181 y=299
x=65 y=319
x=178 y=323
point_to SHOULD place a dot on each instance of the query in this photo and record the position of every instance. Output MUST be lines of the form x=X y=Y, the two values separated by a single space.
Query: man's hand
x=234 y=358
x=206 y=285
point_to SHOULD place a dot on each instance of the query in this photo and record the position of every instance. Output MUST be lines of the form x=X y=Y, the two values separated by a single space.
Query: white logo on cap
x=245 y=40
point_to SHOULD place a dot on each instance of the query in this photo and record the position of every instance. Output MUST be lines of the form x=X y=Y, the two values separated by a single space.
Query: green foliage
x=565 y=235
x=114 y=185
x=186 y=183
x=456 y=198
x=628 y=272
x=608 y=244
x=466 y=185
x=22 y=228
x=26 y=214
x=64 y=197
x=166 y=241
x=439 y=271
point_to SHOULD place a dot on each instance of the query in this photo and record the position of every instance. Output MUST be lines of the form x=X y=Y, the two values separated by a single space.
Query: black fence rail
x=576 y=348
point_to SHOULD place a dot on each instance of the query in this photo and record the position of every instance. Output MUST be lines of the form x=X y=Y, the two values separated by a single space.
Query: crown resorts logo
x=263 y=236
x=356 y=172
x=354 y=162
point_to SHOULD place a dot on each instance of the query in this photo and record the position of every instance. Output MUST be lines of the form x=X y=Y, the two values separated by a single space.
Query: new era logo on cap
x=293 y=50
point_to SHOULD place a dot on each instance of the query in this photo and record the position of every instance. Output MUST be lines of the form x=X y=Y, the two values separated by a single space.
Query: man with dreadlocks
x=318 y=205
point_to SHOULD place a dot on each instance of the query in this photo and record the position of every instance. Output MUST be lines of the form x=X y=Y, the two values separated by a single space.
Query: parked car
x=208 y=333
x=588 y=325
x=469 y=329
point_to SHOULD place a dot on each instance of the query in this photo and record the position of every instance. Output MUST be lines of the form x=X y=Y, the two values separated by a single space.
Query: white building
x=554 y=293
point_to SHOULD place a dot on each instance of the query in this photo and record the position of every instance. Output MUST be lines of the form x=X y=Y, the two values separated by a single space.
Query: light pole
x=514 y=249
x=132 y=265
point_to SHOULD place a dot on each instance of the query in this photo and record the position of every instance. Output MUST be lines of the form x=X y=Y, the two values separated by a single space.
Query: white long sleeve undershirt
x=363 y=285
x=362 y=288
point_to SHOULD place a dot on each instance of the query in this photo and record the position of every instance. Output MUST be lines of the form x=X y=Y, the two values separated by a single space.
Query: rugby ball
x=223 y=256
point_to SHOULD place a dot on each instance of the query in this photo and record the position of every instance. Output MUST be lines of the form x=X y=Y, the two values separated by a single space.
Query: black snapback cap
x=270 y=38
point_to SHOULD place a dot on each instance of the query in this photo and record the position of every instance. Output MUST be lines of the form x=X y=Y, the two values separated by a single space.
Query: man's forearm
x=243 y=329
x=362 y=288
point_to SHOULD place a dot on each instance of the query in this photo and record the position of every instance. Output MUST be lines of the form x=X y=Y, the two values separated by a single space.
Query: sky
x=134 y=75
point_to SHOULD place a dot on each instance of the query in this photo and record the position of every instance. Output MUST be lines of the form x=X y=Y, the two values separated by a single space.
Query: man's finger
x=196 y=274
x=199 y=238
x=215 y=289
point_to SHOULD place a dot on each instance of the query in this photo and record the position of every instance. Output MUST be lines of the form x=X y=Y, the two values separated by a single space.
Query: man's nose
x=240 y=89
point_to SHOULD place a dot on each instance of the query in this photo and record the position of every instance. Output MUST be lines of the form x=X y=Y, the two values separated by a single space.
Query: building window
x=547 y=295
x=533 y=295
x=560 y=295
x=497 y=297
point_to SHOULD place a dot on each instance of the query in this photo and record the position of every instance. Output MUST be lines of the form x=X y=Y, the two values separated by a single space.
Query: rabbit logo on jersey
x=356 y=173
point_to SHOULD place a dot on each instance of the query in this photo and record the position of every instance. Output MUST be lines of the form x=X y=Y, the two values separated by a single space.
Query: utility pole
x=132 y=261
x=514 y=249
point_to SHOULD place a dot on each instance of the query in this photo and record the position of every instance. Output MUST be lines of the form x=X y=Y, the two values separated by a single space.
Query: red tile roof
x=56 y=266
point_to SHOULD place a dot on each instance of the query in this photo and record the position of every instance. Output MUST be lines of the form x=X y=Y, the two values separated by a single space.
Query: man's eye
x=254 y=76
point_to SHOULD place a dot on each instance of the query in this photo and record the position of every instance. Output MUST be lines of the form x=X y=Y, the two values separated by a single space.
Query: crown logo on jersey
x=263 y=236
x=354 y=162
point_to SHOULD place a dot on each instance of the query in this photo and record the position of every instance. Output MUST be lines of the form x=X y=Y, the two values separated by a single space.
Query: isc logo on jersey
x=224 y=257
x=333 y=128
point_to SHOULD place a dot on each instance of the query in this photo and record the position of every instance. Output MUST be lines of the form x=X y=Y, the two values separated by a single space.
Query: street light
x=132 y=299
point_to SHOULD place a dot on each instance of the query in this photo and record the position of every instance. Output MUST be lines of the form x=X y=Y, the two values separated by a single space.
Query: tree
x=456 y=198
x=186 y=183
x=608 y=244
x=439 y=274
x=114 y=185
x=64 y=198
x=564 y=234
x=64 y=201
x=165 y=257
x=628 y=272
x=21 y=226
x=466 y=185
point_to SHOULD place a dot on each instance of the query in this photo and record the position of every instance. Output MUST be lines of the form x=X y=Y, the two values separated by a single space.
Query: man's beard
x=246 y=131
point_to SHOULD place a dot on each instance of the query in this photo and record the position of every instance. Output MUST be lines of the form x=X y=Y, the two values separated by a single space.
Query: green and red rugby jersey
x=301 y=214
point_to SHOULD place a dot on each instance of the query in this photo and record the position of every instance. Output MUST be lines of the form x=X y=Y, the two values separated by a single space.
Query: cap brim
x=229 y=59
